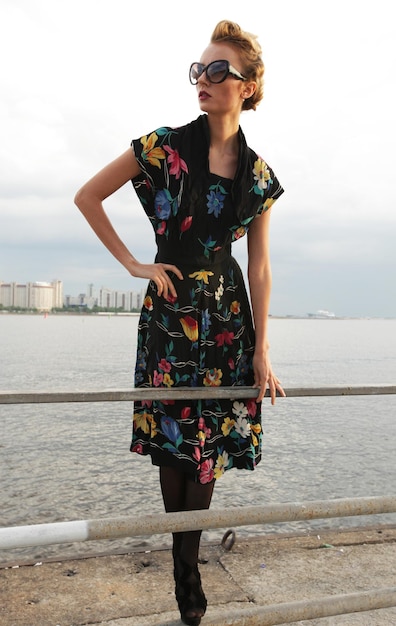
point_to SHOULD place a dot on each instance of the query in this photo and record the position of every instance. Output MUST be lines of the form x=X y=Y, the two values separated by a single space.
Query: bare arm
x=260 y=283
x=89 y=200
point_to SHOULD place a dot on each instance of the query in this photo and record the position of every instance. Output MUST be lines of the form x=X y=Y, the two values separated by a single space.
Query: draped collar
x=196 y=143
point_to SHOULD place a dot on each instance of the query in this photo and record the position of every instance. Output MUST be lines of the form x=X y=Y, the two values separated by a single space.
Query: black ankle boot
x=189 y=593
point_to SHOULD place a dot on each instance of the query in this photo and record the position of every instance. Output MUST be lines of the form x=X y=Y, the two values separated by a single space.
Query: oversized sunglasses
x=216 y=72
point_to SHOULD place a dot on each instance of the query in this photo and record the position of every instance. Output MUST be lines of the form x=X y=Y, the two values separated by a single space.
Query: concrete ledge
x=137 y=589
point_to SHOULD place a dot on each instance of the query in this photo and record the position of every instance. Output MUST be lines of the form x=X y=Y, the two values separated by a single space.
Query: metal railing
x=129 y=526
x=185 y=393
x=88 y=530
x=288 y=612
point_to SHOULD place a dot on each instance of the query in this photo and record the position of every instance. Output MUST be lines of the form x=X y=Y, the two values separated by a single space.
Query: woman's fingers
x=159 y=274
x=175 y=270
x=165 y=284
x=274 y=385
x=275 y=388
x=169 y=287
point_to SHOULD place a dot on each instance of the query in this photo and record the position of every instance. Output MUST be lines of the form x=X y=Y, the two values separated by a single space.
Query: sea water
x=61 y=462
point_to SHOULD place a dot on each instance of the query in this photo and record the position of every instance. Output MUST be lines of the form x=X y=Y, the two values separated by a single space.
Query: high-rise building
x=42 y=296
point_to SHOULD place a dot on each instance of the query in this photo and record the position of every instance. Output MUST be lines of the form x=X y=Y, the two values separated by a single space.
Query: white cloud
x=82 y=78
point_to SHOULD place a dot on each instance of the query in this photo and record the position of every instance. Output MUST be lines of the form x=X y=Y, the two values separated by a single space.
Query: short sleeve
x=150 y=153
x=271 y=187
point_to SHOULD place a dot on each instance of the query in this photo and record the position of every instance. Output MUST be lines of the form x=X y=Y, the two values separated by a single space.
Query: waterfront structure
x=322 y=314
x=42 y=296
x=106 y=299
x=124 y=300
x=82 y=301
x=45 y=296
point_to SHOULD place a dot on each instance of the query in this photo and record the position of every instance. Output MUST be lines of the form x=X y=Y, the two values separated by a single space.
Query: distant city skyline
x=125 y=299
x=47 y=295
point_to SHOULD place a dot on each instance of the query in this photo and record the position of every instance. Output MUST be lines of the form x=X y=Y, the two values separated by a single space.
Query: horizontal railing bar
x=133 y=526
x=290 y=612
x=183 y=393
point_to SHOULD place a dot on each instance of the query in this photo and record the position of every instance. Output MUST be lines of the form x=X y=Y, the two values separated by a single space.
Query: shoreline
x=309 y=317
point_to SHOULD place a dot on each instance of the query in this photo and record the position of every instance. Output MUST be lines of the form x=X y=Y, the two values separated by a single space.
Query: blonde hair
x=250 y=52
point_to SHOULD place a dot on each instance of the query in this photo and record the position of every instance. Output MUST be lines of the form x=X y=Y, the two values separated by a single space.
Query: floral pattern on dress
x=205 y=336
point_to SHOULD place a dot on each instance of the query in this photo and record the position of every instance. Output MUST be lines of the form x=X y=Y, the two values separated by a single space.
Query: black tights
x=180 y=493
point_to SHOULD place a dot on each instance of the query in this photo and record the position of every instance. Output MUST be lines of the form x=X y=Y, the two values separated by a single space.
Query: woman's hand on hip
x=159 y=274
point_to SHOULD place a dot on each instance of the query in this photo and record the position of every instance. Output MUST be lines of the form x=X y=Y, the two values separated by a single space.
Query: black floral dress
x=205 y=337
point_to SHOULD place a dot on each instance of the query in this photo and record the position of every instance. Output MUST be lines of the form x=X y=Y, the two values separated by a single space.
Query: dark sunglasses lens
x=195 y=72
x=217 y=71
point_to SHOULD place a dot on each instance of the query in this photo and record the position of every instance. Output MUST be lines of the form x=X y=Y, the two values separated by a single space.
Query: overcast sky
x=81 y=78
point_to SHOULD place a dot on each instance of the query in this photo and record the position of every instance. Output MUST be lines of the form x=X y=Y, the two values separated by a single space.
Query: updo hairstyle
x=250 y=52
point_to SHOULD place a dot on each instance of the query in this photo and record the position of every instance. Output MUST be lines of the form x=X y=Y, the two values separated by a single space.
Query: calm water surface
x=70 y=462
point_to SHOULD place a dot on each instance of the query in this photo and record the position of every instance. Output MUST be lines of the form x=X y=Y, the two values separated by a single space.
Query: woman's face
x=226 y=97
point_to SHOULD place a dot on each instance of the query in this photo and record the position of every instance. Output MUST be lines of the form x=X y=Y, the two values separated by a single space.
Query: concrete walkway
x=137 y=589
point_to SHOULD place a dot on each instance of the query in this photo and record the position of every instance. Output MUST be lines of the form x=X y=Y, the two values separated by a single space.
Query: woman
x=202 y=187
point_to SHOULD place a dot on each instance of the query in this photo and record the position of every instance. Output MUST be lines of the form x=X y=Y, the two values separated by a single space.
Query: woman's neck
x=224 y=134
x=224 y=147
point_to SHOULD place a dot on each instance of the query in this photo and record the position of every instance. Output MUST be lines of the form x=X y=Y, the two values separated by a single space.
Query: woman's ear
x=248 y=90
